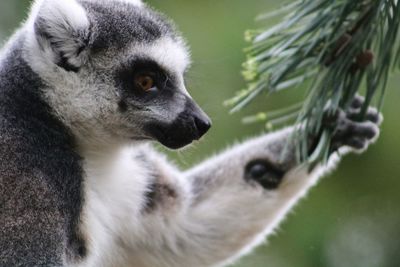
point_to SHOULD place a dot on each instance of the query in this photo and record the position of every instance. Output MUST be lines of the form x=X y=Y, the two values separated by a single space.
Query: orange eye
x=144 y=82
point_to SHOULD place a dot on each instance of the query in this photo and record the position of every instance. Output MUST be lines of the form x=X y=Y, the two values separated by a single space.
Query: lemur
x=86 y=87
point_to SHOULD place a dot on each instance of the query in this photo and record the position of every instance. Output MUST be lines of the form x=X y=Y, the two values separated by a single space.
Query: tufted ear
x=62 y=30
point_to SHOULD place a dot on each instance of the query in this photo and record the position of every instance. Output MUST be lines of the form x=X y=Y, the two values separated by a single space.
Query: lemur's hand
x=271 y=158
x=352 y=133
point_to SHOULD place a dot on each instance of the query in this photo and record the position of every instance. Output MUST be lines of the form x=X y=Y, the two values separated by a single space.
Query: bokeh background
x=352 y=218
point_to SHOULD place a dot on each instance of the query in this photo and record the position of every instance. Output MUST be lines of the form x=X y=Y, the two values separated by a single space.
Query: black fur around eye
x=264 y=173
x=140 y=76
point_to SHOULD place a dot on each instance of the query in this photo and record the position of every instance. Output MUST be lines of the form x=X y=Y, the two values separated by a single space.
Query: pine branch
x=339 y=47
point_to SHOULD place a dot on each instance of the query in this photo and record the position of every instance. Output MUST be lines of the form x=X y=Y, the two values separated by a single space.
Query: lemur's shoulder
x=40 y=174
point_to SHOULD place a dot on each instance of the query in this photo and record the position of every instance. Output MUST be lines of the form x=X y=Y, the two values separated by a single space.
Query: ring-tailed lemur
x=84 y=86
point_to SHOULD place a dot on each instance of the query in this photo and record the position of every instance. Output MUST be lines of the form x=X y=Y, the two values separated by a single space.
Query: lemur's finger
x=372 y=115
x=365 y=129
x=356 y=143
x=358 y=101
x=348 y=129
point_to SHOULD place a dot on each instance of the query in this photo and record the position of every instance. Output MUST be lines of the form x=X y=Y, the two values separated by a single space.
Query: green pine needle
x=340 y=46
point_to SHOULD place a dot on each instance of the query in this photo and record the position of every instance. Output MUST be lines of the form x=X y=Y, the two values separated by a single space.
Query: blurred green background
x=352 y=218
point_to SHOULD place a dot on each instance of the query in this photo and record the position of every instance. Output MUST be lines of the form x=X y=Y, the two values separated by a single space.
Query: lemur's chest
x=133 y=180
x=122 y=193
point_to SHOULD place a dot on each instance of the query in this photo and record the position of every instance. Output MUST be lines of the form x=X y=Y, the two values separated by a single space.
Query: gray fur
x=115 y=24
x=40 y=174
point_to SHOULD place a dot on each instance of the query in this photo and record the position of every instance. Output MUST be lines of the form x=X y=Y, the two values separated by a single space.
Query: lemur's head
x=114 y=69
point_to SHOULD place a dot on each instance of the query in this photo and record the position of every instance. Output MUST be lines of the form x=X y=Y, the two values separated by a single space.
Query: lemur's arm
x=241 y=195
x=238 y=197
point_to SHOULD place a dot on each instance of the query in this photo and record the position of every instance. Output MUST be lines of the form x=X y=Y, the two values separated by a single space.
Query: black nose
x=202 y=125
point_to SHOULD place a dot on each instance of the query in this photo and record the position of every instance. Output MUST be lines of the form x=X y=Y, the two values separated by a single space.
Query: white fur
x=170 y=54
x=108 y=208
x=115 y=187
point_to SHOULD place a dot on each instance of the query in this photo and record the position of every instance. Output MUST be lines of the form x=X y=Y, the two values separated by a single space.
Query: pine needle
x=340 y=46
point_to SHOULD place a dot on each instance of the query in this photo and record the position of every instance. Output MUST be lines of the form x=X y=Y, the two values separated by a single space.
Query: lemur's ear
x=62 y=29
